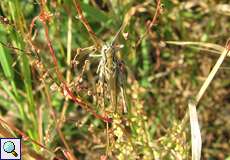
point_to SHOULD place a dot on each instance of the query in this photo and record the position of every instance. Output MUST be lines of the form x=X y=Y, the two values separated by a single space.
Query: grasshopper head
x=106 y=49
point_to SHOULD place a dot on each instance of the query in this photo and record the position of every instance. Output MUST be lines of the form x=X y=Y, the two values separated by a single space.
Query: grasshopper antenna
x=116 y=36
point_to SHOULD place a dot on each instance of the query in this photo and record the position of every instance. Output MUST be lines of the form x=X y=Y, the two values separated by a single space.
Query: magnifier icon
x=9 y=147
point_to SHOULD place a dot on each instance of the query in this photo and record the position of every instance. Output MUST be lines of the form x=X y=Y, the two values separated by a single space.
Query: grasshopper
x=109 y=72
x=111 y=77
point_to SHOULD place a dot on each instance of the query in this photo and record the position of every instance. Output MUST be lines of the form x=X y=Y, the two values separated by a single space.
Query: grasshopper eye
x=104 y=49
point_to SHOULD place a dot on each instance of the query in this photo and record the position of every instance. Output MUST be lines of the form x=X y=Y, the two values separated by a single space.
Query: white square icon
x=10 y=148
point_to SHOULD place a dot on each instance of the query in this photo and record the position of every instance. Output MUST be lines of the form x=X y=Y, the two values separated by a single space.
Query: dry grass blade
x=4 y=132
x=215 y=48
x=199 y=96
x=195 y=131
x=211 y=75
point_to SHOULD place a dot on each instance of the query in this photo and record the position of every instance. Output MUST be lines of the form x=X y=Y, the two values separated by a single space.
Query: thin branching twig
x=44 y=17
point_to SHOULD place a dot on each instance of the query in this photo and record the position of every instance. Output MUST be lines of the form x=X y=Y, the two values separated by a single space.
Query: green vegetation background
x=161 y=78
